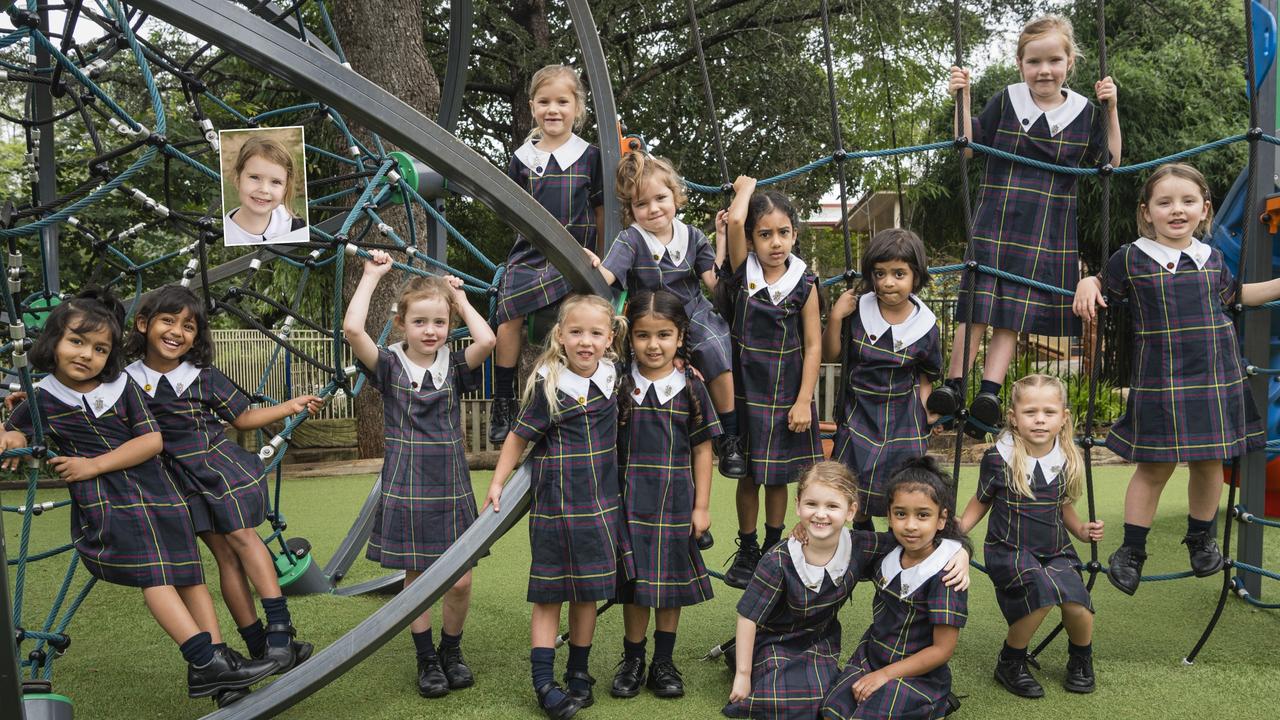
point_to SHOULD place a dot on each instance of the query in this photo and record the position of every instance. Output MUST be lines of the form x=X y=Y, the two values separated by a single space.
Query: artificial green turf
x=120 y=664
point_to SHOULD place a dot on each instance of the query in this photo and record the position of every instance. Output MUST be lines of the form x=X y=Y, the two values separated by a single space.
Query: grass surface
x=121 y=665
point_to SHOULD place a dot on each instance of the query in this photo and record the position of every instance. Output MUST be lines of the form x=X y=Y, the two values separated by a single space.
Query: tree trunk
x=532 y=16
x=382 y=40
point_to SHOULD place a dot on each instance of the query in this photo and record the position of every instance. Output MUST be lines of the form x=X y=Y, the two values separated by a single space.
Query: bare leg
x=422 y=623
x=1143 y=495
x=635 y=621
x=582 y=623
x=775 y=505
x=666 y=619
x=457 y=601
x=1204 y=490
x=721 y=389
x=166 y=607
x=199 y=604
x=1079 y=623
x=231 y=579
x=1021 y=632
x=1000 y=351
x=510 y=343
x=544 y=624
x=957 y=347
x=256 y=559
x=748 y=502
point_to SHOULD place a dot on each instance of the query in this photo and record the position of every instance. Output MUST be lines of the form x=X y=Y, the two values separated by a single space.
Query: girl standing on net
x=129 y=523
x=225 y=484
x=893 y=354
x=427 y=501
x=563 y=173
x=265 y=185
x=777 y=336
x=899 y=670
x=658 y=252
x=1030 y=481
x=1025 y=218
x=570 y=415
x=1188 y=401
x=665 y=428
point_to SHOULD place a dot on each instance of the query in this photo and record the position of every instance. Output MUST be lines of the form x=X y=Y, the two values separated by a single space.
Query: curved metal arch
x=584 y=25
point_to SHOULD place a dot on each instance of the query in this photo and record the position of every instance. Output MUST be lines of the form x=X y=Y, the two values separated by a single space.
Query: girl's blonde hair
x=1073 y=472
x=552 y=356
x=426 y=288
x=1047 y=25
x=1181 y=171
x=551 y=73
x=635 y=169
x=833 y=475
x=273 y=151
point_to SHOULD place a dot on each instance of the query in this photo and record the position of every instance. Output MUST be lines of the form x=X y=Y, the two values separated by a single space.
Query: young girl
x=899 y=670
x=658 y=252
x=427 y=500
x=265 y=184
x=570 y=415
x=893 y=353
x=1188 y=401
x=224 y=484
x=665 y=429
x=777 y=336
x=1030 y=480
x=563 y=172
x=1025 y=218
x=129 y=524
x=787 y=644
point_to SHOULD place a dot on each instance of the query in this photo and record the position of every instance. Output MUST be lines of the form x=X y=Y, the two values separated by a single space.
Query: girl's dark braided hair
x=666 y=305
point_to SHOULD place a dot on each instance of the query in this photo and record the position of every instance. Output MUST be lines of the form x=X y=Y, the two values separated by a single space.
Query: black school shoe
x=744 y=564
x=944 y=400
x=289 y=656
x=733 y=462
x=224 y=698
x=584 y=699
x=1206 y=558
x=228 y=671
x=1015 y=678
x=629 y=677
x=563 y=710
x=665 y=681
x=455 y=667
x=1079 y=677
x=432 y=682
x=502 y=411
x=1125 y=568
x=986 y=410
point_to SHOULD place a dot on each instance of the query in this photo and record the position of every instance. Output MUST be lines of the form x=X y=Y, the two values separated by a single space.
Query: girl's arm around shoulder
x=833 y=335
x=134 y=452
x=934 y=656
x=974 y=511
x=1084 y=531
x=800 y=417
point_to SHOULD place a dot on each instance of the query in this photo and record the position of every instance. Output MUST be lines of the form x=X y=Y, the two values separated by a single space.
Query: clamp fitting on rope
x=17 y=331
x=840 y=155
x=851 y=274
x=1106 y=169
x=269 y=450
x=350 y=249
x=286 y=327
x=960 y=143
x=1087 y=442
x=1254 y=134
x=726 y=188
x=970 y=264
x=254 y=265
x=39 y=508
x=95 y=68
x=210 y=134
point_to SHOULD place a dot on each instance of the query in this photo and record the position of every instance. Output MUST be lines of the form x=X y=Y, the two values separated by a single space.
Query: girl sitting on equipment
x=265 y=183
x=570 y=415
x=892 y=352
x=427 y=501
x=1188 y=401
x=1030 y=481
x=659 y=252
x=129 y=523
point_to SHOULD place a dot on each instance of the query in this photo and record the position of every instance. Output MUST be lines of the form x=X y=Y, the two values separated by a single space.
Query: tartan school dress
x=883 y=421
x=668 y=418
x=130 y=527
x=427 y=500
x=224 y=484
x=568 y=183
x=641 y=262
x=1025 y=218
x=574 y=518
x=794 y=605
x=768 y=363
x=908 y=603
x=1028 y=553
x=1187 y=395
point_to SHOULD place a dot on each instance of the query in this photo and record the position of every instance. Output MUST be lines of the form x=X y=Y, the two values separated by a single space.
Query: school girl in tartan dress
x=1029 y=481
x=899 y=669
x=129 y=523
x=1024 y=221
x=777 y=336
x=659 y=252
x=787 y=643
x=564 y=174
x=889 y=343
x=427 y=501
x=665 y=427
x=224 y=484
x=1188 y=401
x=570 y=415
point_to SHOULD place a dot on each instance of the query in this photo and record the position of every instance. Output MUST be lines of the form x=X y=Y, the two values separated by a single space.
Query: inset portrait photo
x=264 y=186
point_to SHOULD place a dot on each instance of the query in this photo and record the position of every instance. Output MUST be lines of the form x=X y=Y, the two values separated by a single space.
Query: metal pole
x=46 y=183
x=10 y=674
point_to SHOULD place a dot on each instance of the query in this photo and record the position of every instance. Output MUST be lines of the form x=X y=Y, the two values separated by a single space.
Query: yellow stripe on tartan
x=560 y=516
x=572 y=576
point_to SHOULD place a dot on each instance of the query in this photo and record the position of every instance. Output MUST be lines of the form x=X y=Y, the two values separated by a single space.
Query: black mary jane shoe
x=566 y=708
x=585 y=699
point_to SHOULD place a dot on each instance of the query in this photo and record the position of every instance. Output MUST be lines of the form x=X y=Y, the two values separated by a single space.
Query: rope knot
x=960 y=142
x=1254 y=134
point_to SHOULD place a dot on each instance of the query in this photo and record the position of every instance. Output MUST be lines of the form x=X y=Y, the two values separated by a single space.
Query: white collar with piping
x=1058 y=118
x=666 y=388
x=836 y=567
x=180 y=378
x=1050 y=465
x=780 y=288
x=99 y=400
x=678 y=248
x=565 y=155
x=1167 y=257
x=439 y=368
x=916 y=575
x=917 y=325
x=578 y=387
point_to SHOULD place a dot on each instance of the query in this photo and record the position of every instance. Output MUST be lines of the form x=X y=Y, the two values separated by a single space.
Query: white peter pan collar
x=916 y=575
x=565 y=155
x=281 y=223
x=99 y=400
x=811 y=575
x=1167 y=257
x=1050 y=465
x=578 y=387
x=678 y=248
x=180 y=378
x=782 y=287
x=917 y=325
x=439 y=368
x=1058 y=118
x=667 y=387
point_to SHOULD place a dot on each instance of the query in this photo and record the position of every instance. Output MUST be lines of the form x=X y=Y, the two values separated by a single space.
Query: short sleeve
x=929 y=356
x=991 y=477
x=1097 y=151
x=597 y=178
x=1226 y=281
x=704 y=256
x=1115 y=275
x=379 y=375
x=987 y=123
x=20 y=418
x=946 y=606
x=223 y=397
x=704 y=424
x=514 y=171
x=621 y=257
x=465 y=378
x=137 y=415
x=869 y=548
x=767 y=588
x=534 y=419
